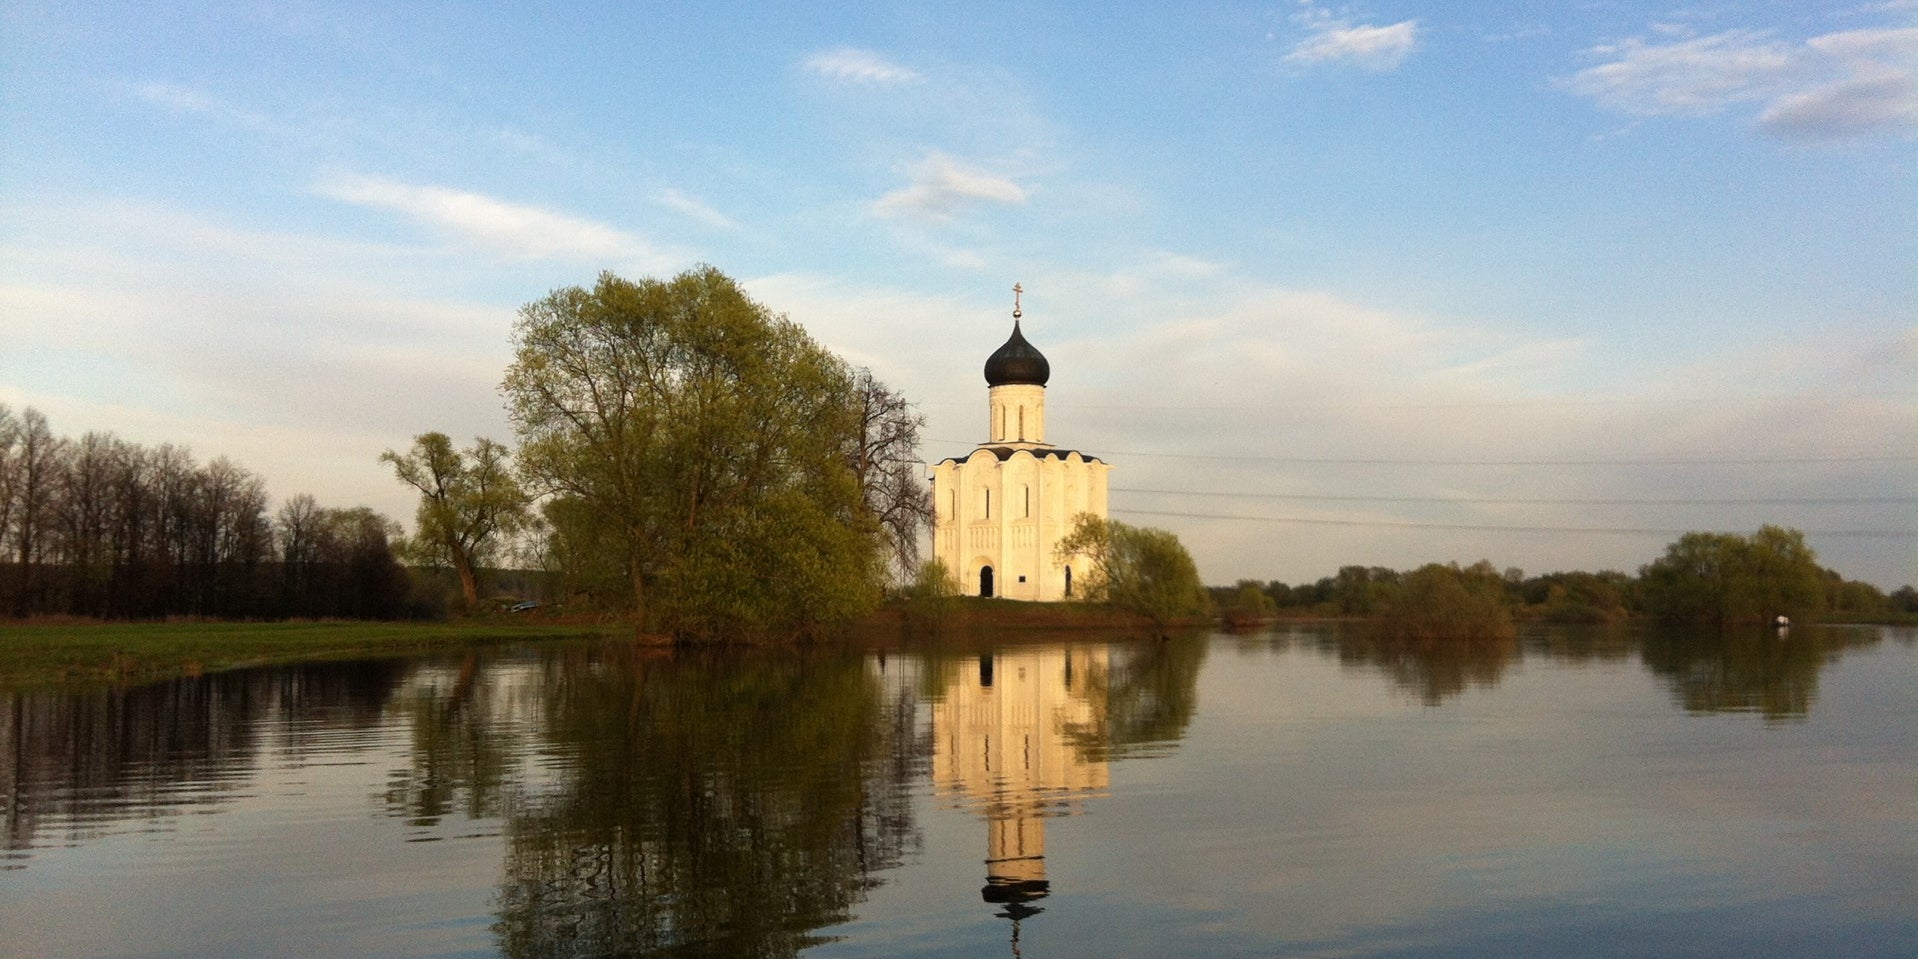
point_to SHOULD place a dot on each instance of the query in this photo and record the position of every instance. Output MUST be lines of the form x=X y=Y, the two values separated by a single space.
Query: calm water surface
x=1303 y=792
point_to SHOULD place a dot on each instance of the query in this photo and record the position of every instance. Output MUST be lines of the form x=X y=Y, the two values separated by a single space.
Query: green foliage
x=1141 y=570
x=710 y=441
x=1359 y=590
x=1854 y=600
x=1248 y=603
x=1580 y=597
x=933 y=582
x=932 y=597
x=1725 y=578
x=1904 y=600
x=469 y=504
x=585 y=552
x=1443 y=602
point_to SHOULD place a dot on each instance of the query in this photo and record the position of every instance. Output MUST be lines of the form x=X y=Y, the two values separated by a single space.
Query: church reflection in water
x=1010 y=736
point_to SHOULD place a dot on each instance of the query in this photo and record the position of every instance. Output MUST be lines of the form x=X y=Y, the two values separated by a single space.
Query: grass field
x=38 y=654
x=59 y=654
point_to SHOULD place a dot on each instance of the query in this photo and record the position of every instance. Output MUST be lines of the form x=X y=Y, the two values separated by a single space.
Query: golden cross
x=1016 y=290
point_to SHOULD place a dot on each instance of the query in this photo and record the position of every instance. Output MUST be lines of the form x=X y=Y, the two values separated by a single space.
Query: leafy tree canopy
x=469 y=503
x=1725 y=578
x=1139 y=569
x=706 y=448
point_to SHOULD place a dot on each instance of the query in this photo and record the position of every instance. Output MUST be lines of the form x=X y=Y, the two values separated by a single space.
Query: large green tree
x=708 y=439
x=470 y=503
x=1725 y=578
x=1139 y=569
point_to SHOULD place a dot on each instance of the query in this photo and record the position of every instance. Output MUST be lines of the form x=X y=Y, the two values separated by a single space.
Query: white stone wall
x=1010 y=515
x=1018 y=415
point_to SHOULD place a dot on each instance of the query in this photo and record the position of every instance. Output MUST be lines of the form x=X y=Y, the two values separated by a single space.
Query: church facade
x=1000 y=510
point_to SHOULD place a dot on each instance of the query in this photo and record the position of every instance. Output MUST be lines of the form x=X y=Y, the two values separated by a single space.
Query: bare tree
x=35 y=459
x=885 y=458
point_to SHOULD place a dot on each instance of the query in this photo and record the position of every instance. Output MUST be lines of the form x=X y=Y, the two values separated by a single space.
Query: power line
x=1386 y=461
x=1757 y=398
x=1392 y=461
x=1477 y=527
x=1491 y=501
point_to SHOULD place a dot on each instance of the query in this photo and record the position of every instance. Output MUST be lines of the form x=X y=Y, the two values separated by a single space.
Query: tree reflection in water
x=721 y=804
x=708 y=805
x=1773 y=673
x=83 y=758
x=1433 y=668
x=1770 y=672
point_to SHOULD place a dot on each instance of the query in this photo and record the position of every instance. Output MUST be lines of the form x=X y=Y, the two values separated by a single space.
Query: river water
x=1297 y=792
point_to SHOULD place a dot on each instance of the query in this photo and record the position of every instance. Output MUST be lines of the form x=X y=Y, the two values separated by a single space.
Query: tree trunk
x=469 y=581
x=637 y=568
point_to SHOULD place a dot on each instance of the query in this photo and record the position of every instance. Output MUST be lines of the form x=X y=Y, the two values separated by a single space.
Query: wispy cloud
x=190 y=100
x=695 y=209
x=517 y=230
x=942 y=186
x=860 y=66
x=1835 y=86
x=1335 y=40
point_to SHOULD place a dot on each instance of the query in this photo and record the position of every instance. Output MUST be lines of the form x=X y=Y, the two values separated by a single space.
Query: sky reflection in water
x=1301 y=792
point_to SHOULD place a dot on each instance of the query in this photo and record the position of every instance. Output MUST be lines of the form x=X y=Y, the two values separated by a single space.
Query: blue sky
x=1413 y=282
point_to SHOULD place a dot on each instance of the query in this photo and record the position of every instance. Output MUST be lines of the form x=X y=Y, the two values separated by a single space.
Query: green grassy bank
x=34 y=654
x=56 y=654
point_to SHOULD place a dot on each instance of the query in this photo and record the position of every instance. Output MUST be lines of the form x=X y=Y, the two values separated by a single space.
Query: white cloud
x=1365 y=45
x=181 y=99
x=694 y=208
x=1337 y=40
x=941 y=186
x=1697 y=76
x=860 y=66
x=517 y=230
x=299 y=355
x=1838 y=85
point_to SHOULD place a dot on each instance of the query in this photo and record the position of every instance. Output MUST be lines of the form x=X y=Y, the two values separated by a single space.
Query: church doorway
x=985 y=581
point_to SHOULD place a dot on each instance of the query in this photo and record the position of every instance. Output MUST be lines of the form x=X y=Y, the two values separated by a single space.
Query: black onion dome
x=1017 y=363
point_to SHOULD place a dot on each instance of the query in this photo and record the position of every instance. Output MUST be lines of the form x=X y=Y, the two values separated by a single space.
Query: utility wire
x=1386 y=461
x=1390 y=461
x=1476 y=527
x=1497 y=501
x=1688 y=401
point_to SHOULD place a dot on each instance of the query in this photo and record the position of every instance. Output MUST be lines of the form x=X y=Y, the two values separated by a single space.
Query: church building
x=1000 y=510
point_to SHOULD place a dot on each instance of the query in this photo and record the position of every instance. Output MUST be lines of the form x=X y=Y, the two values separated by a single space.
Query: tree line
x=1702 y=578
x=686 y=457
x=97 y=526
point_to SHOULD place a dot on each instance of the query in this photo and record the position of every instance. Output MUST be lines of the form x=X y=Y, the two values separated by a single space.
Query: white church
x=1000 y=510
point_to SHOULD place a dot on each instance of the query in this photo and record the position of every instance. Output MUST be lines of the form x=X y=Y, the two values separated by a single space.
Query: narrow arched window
x=988 y=504
x=1028 y=491
x=1022 y=424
